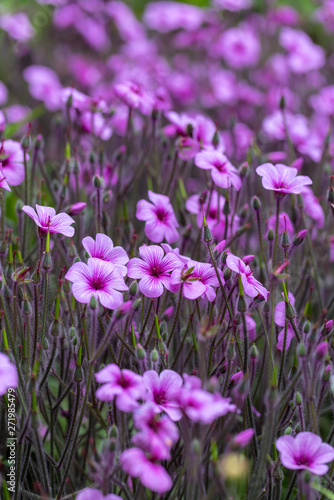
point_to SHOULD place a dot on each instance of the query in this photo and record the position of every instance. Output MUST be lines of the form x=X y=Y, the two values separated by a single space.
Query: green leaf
x=324 y=491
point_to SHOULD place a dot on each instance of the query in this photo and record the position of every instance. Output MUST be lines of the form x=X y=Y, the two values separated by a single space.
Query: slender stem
x=276 y=231
x=176 y=316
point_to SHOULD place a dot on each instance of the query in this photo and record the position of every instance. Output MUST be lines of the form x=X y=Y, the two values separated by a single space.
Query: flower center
x=162 y=214
x=221 y=166
x=160 y=397
x=97 y=284
x=303 y=460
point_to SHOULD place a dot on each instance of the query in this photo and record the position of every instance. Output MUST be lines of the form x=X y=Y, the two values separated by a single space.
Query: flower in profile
x=124 y=385
x=103 y=248
x=142 y=463
x=47 y=220
x=98 y=279
x=251 y=286
x=153 y=270
x=282 y=179
x=280 y=321
x=161 y=390
x=223 y=173
x=8 y=374
x=160 y=218
x=305 y=451
x=94 y=494
x=76 y=208
x=11 y=157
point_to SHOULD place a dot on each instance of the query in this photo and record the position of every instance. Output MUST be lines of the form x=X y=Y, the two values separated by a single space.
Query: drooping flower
x=161 y=390
x=251 y=286
x=124 y=385
x=8 y=374
x=94 y=494
x=282 y=179
x=11 y=157
x=143 y=464
x=47 y=220
x=305 y=451
x=98 y=279
x=153 y=270
x=103 y=248
x=160 y=218
x=223 y=173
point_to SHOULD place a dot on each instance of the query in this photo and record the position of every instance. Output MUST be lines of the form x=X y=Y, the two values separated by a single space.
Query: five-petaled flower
x=160 y=218
x=251 y=286
x=98 y=279
x=282 y=179
x=223 y=173
x=47 y=220
x=103 y=248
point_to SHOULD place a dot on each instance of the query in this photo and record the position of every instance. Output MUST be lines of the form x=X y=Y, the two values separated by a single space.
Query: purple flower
x=305 y=451
x=11 y=157
x=161 y=390
x=134 y=96
x=124 y=385
x=284 y=222
x=223 y=173
x=282 y=179
x=3 y=182
x=251 y=286
x=154 y=426
x=205 y=273
x=160 y=219
x=240 y=47
x=17 y=26
x=193 y=288
x=280 y=321
x=137 y=463
x=44 y=85
x=243 y=438
x=169 y=16
x=77 y=208
x=94 y=494
x=8 y=374
x=98 y=279
x=103 y=248
x=153 y=270
x=48 y=221
x=232 y=5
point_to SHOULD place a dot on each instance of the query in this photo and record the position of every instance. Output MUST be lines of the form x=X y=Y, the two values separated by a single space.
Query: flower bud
x=307 y=327
x=93 y=303
x=321 y=350
x=299 y=238
x=207 y=234
x=285 y=240
x=326 y=374
x=154 y=356
x=256 y=204
x=254 y=353
x=242 y=307
x=46 y=263
x=136 y=305
x=78 y=374
x=227 y=273
x=140 y=351
x=270 y=235
x=97 y=181
x=26 y=143
x=301 y=350
x=299 y=399
x=133 y=288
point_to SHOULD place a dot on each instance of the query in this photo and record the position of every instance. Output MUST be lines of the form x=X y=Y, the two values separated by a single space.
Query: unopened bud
x=301 y=350
x=256 y=204
x=133 y=288
x=154 y=356
x=270 y=235
x=299 y=399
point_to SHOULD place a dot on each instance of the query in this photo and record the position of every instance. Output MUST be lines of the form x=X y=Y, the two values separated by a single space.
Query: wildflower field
x=166 y=250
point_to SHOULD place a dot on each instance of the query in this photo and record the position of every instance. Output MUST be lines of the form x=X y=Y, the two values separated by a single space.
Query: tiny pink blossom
x=98 y=279
x=223 y=173
x=243 y=438
x=251 y=286
x=305 y=451
x=124 y=385
x=76 y=208
x=8 y=374
x=103 y=248
x=153 y=270
x=282 y=179
x=48 y=221
x=160 y=218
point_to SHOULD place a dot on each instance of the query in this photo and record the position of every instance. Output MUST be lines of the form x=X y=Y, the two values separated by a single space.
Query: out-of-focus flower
x=76 y=208
x=3 y=182
x=160 y=218
x=153 y=270
x=124 y=385
x=243 y=438
x=94 y=123
x=280 y=321
x=94 y=494
x=282 y=179
x=98 y=279
x=305 y=451
x=103 y=248
x=11 y=157
x=134 y=96
x=161 y=390
x=44 y=85
x=312 y=207
x=143 y=464
x=176 y=251
x=303 y=54
x=240 y=47
x=48 y=221
x=284 y=223
x=3 y=94
x=127 y=24
x=17 y=26
x=169 y=16
x=331 y=248
x=251 y=286
x=8 y=374
x=232 y=5
x=324 y=101
x=223 y=173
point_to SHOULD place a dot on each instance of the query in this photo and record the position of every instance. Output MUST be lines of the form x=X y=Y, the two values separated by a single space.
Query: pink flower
x=11 y=157
x=137 y=463
x=232 y=5
x=169 y=16
x=134 y=96
x=161 y=390
x=331 y=248
x=94 y=494
x=76 y=208
x=243 y=438
x=303 y=54
x=103 y=248
x=8 y=374
x=240 y=47
x=282 y=179
x=223 y=173
x=189 y=278
x=251 y=286
x=124 y=385
x=305 y=451
x=160 y=219
x=280 y=321
x=44 y=85
x=47 y=220
x=176 y=251
x=153 y=270
x=98 y=279
x=312 y=207
x=284 y=222
x=3 y=182
x=206 y=274
x=154 y=426
x=17 y=26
